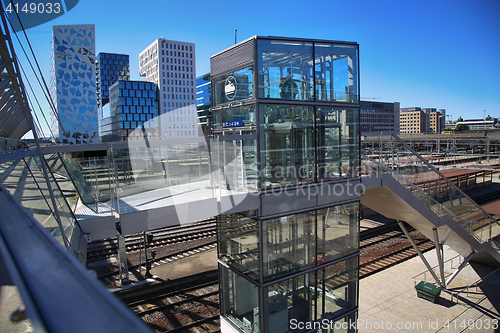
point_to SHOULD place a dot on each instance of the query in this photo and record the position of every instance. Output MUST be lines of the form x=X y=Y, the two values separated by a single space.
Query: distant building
x=73 y=84
x=171 y=65
x=379 y=117
x=479 y=124
x=450 y=125
x=416 y=120
x=110 y=67
x=131 y=113
x=204 y=101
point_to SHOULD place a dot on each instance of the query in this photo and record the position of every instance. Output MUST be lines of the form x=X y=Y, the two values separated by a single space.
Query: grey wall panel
x=163 y=217
x=232 y=58
x=197 y=210
x=99 y=227
x=289 y=199
x=331 y=193
x=371 y=181
x=239 y=203
x=134 y=222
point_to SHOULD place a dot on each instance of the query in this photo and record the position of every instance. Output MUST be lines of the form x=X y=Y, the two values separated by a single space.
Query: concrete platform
x=388 y=301
x=194 y=262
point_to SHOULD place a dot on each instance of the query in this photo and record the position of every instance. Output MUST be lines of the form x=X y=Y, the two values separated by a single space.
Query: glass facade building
x=110 y=68
x=285 y=121
x=131 y=112
x=204 y=101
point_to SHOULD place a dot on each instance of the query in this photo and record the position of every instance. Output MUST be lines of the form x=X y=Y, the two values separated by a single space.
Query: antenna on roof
x=235 y=35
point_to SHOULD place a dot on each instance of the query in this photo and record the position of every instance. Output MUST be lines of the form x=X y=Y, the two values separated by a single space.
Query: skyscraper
x=131 y=113
x=171 y=66
x=204 y=101
x=110 y=67
x=73 y=84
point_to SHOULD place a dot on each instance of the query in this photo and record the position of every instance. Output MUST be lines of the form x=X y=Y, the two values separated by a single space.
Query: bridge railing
x=398 y=156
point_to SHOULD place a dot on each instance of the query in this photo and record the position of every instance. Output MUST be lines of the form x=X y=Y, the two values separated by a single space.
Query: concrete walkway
x=388 y=300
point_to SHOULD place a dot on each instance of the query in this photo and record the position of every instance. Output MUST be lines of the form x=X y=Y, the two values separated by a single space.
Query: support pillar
x=439 y=253
x=459 y=269
x=412 y=242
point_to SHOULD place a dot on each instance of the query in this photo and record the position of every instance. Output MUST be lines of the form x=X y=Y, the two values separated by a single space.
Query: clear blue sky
x=442 y=54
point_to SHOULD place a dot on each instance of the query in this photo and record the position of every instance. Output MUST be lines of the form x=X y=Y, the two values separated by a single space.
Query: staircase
x=401 y=184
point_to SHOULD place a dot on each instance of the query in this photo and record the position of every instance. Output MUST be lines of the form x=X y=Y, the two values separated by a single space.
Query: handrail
x=443 y=209
x=414 y=278
x=444 y=177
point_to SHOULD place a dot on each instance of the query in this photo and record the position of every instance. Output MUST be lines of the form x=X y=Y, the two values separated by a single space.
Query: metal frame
x=59 y=302
x=412 y=242
x=444 y=177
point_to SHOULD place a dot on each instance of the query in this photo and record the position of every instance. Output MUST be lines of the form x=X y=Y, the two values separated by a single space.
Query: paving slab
x=388 y=300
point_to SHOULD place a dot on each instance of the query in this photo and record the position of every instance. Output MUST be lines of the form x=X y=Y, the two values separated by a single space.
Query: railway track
x=388 y=246
x=162 y=237
x=170 y=256
x=191 y=308
x=195 y=308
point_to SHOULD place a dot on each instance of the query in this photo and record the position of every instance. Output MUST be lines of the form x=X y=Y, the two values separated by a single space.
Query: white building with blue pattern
x=73 y=84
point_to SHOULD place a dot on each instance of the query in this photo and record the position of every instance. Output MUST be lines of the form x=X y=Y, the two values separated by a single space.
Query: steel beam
x=439 y=253
x=459 y=269
x=412 y=242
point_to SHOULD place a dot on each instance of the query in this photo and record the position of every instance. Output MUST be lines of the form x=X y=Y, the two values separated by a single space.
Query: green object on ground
x=428 y=291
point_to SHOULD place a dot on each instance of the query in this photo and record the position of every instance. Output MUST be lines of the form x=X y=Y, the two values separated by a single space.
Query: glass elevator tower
x=285 y=136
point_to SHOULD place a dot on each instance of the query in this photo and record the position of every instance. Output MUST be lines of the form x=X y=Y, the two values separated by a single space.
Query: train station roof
x=14 y=109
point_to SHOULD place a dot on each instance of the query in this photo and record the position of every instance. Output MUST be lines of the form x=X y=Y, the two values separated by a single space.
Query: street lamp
x=484 y=120
x=438 y=126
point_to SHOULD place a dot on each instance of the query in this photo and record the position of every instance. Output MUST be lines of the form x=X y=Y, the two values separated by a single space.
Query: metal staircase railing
x=428 y=184
x=437 y=207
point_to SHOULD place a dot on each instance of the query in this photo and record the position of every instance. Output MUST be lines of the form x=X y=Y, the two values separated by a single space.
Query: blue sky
x=442 y=54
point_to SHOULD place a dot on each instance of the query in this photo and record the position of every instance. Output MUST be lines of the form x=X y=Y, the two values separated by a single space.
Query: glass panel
x=336 y=71
x=323 y=294
x=337 y=142
x=289 y=244
x=239 y=301
x=25 y=180
x=234 y=164
x=67 y=218
x=233 y=87
x=285 y=69
x=239 y=243
x=287 y=145
x=336 y=289
x=234 y=117
x=337 y=231
x=22 y=185
x=140 y=170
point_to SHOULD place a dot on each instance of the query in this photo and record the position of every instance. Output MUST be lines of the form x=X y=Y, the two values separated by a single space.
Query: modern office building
x=204 y=101
x=379 y=117
x=417 y=120
x=131 y=113
x=73 y=84
x=110 y=67
x=286 y=118
x=435 y=120
x=171 y=65
x=411 y=120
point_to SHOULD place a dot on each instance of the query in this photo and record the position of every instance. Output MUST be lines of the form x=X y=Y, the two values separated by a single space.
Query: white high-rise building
x=171 y=65
x=73 y=84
